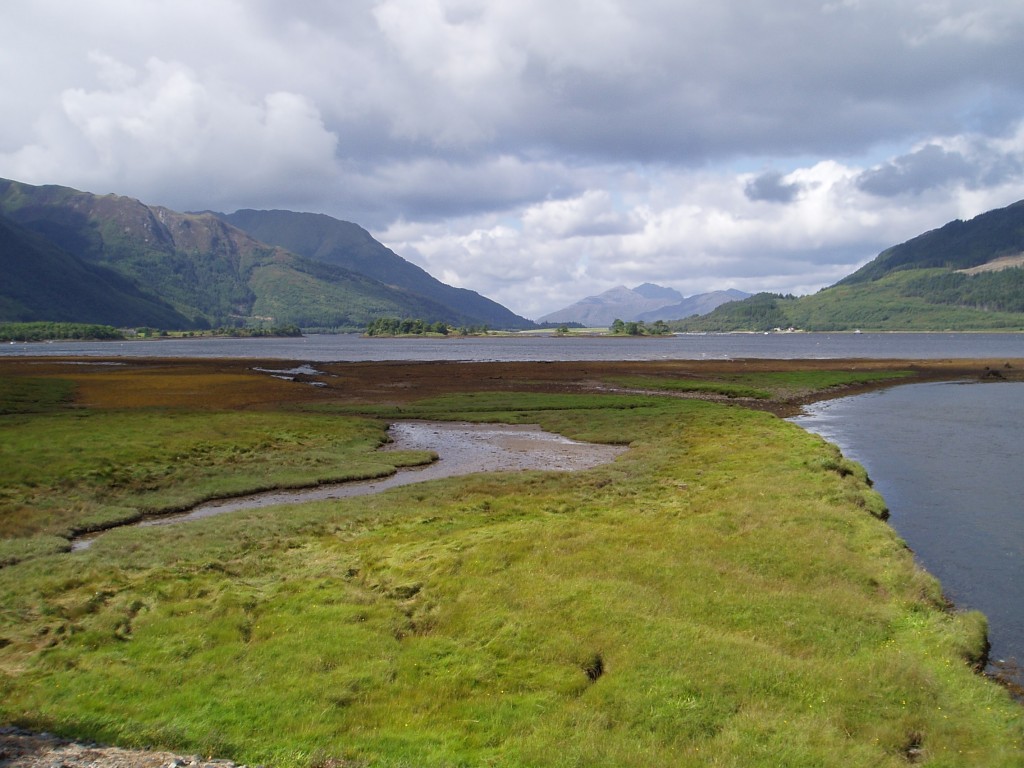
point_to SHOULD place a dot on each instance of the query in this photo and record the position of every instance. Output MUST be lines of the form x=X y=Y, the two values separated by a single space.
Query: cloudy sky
x=538 y=151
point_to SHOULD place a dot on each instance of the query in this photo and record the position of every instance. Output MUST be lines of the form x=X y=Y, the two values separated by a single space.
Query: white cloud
x=164 y=128
x=692 y=230
x=538 y=152
x=590 y=214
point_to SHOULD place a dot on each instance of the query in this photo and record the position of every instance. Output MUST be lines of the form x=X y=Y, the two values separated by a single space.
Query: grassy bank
x=723 y=594
x=66 y=474
x=778 y=385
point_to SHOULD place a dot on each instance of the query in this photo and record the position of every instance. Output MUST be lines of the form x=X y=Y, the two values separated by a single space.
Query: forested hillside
x=43 y=281
x=963 y=276
x=957 y=245
x=122 y=262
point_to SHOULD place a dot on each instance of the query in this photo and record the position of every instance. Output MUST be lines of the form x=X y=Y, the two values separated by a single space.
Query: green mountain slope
x=41 y=281
x=347 y=245
x=966 y=275
x=210 y=272
x=957 y=245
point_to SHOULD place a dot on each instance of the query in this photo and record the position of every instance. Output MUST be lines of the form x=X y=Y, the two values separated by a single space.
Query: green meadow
x=762 y=385
x=725 y=593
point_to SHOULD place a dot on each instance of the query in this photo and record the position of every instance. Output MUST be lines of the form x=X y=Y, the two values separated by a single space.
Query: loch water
x=947 y=459
x=528 y=347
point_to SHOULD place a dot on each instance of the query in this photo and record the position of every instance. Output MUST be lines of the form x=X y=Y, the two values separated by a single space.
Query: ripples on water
x=947 y=459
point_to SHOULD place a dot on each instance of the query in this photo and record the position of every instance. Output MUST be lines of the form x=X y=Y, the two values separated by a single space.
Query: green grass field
x=762 y=385
x=71 y=471
x=725 y=593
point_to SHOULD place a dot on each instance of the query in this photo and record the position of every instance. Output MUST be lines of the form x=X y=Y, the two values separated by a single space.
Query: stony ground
x=21 y=749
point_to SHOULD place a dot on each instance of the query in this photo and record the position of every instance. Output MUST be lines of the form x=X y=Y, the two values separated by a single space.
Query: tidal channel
x=461 y=448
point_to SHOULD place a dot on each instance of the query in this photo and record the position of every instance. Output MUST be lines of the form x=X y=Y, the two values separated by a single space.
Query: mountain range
x=965 y=275
x=646 y=302
x=72 y=255
x=67 y=255
x=618 y=303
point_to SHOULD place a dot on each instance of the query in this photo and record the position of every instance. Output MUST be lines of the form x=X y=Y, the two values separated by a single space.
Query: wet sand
x=461 y=448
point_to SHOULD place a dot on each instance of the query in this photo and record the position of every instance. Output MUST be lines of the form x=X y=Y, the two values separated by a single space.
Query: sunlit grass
x=722 y=594
x=89 y=469
x=461 y=622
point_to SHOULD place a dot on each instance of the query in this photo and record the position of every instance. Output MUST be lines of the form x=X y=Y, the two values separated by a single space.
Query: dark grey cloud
x=769 y=187
x=400 y=81
x=927 y=168
x=932 y=167
x=709 y=81
x=431 y=188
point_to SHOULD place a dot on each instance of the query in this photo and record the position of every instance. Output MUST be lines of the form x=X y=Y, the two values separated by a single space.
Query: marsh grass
x=17 y=549
x=66 y=473
x=33 y=394
x=720 y=594
x=496 y=406
x=762 y=385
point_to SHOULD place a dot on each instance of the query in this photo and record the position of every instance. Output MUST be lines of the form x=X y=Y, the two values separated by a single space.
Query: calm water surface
x=947 y=458
x=351 y=347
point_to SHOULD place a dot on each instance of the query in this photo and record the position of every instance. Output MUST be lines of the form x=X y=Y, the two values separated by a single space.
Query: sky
x=538 y=151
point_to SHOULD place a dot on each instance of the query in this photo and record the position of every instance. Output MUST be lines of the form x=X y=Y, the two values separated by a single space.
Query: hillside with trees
x=348 y=246
x=954 y=246
x=75 y=256
x=42 y=281
x=964 y=276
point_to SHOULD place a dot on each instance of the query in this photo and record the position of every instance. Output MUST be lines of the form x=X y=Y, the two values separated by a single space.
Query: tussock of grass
x=718 y=595
x=15 y=550
x=101 y=518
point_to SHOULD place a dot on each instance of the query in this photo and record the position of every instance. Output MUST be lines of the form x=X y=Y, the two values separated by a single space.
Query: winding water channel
x=461 y=448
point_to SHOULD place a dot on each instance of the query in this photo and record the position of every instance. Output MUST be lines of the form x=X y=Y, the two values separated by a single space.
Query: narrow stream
x=462 y=449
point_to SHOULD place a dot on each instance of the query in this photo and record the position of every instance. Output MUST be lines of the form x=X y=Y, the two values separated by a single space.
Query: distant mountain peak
x=658 y=292
x=647 y=301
